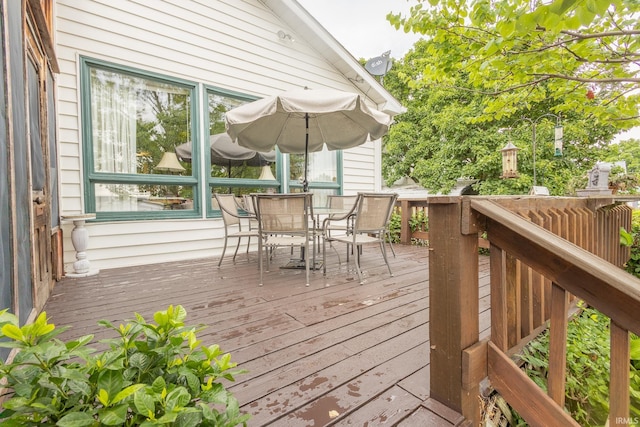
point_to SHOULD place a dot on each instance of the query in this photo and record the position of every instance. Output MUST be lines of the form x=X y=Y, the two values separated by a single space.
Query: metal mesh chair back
x=228 y=208
x=373 y=213
x=283 y=213
x=341 y=202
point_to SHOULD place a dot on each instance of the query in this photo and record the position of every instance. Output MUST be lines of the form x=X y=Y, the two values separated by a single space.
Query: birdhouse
x=509 y=161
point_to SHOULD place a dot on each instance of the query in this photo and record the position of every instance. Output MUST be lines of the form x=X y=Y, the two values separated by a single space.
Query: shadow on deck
x=334 y=353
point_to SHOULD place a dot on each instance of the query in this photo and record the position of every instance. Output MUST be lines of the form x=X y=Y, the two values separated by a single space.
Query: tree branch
x=588 y=80
x=582 y=36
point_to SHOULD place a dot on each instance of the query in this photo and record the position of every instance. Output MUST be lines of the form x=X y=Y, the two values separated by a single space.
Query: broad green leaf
x=188 y=419
x=158 y=385
x=15 y=403
x=506 y=28
x=111 y=381
x=6 y=317
x=177 y=398
x=114 y=416
x=144 y=403
x=217 y=394
x=179 y=313
x=13 y=332
x=128 y=391
x=79 y=342
x=103 y=397
x=635 y=349
x=626 y=238
x=585 y=16
x=167 y=418
x=139 y=361
x=76 y=419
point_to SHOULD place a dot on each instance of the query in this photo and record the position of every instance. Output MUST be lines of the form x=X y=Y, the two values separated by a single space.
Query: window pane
x=323 y=166
x=129 y=197
x=228 y=159
x=239 y=192
x=136 y=121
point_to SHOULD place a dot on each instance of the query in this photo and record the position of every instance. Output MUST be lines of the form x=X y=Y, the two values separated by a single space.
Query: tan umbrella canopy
x=224 y=152
x=306 y=121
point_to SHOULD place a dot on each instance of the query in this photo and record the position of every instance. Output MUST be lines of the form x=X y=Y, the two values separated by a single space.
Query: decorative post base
x=80 y=241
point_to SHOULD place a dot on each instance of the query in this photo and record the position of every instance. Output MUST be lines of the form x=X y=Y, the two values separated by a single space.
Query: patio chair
x=346 y=203
x=233 y=226
x=249 y=207
x=283 y=221
x=370 y=225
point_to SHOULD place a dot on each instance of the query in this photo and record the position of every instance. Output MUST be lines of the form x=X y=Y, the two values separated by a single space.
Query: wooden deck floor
x=334 y=353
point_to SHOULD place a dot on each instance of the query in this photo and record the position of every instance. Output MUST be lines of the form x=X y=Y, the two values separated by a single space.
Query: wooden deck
x=334 y=353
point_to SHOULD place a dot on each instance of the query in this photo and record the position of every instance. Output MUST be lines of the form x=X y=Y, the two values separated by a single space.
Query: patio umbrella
x=224 y=152
x=306 y=121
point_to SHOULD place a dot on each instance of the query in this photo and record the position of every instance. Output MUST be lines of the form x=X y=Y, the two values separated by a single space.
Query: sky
x=361 y=27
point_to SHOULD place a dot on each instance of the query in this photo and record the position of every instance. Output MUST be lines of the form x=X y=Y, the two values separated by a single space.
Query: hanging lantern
x=558 y=141
x=509 y=161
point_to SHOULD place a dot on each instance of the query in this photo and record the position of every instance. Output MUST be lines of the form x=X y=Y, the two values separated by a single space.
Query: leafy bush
x=152 y=374
x=632 y=239
x=418 y=222
x=395 y=224
x=588 y=360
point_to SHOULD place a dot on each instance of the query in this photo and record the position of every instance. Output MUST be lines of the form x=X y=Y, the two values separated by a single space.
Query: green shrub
x=418 y=222
x=152 y=374
x=588 y=360
x=395 y=224
x=632 y=239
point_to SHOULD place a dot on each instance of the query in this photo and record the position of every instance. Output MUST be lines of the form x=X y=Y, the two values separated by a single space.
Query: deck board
x=334 y=353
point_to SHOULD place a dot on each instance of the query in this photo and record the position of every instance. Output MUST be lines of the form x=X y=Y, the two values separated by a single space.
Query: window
x=324 y=174
x=144 y=157
x=235 y=169
x=132 y=127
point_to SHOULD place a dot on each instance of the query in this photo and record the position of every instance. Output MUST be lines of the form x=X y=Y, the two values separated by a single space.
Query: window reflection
x=130 y=197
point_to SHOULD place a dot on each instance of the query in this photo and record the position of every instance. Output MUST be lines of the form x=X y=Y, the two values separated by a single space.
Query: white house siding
x=229 y=44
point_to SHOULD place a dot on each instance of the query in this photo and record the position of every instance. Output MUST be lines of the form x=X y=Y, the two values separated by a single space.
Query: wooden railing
x=544 y=252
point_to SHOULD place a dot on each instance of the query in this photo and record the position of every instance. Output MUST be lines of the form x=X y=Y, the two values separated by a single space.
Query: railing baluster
x=619 y=381
x=558 y=343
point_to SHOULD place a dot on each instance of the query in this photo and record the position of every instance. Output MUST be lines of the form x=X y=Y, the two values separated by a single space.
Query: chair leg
x=384 y=255
x=390 y=243
x=260 y=259
x=306 y=260
x=313 y=265
x=224 y=249
x=269 y=249
x=324 y=257
x=236 y=251
x=358 y=264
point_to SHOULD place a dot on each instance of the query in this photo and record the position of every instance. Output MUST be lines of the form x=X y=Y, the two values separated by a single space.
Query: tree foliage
x=439 y=138
x=582 y=55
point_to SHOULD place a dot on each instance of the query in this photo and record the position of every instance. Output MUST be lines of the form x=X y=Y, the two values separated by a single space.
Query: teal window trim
x=91 y=177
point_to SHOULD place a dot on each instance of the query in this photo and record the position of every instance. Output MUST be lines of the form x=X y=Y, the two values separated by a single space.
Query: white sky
x=361 y=27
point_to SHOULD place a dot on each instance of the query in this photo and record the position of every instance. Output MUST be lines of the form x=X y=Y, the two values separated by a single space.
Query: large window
x=133 y=125
x=145 y=156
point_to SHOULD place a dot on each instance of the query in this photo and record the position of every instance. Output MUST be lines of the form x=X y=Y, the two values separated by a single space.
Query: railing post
x=405 y=216
x=453 y=307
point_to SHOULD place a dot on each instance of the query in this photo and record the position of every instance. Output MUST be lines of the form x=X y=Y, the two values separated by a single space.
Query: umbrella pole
x=305 y=183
